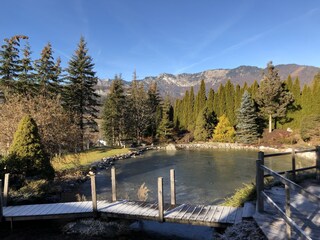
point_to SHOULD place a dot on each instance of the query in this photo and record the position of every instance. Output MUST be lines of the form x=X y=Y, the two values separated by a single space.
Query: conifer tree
x=221 y=101
x=26 y=84
x=272 y=97
x=154 y=109
x=224 y=131
x=237 y=97
x=27 y=154
x=230 y=102
x=10 y=64
x=210 y=100
x=46 y=73
x=191 y=115
x=205 y=124
x=247 y=127
x=165 y=128
x=79 y=95
x=253 y=89
x=114 y=113
x=201 y=98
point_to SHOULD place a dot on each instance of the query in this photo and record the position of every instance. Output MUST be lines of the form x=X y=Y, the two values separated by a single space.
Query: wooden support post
x=113 y=184
x=160 y=198
x=293 y=164
x=93 y=193
x=1 y=202
x=318 y=163
x=260 y=182
x=172 y=187
x=6 y=189
x=287 y=207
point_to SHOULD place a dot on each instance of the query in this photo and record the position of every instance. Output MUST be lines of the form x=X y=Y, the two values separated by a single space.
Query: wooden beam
x=113 y=184
x=318 y=162
x=160 y=198
x=6 y=190
x=259 y=182
x=293 y=162
x=172 y=187
x=1 y=201
x=93 y=193
x=287 y=208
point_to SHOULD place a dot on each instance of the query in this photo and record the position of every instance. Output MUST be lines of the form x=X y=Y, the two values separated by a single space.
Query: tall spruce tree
x=79 y=95
x=165 y=128
x=200 y=99
x=272 y=97
x=113 y=116
x=154 y=109
x=10 y=64
x=46 y=73
x=247 y=130
x=191 y=115
x=205 y=124
x=230 y=102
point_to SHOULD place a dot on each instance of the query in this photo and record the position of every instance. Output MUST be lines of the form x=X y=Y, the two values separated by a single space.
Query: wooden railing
x=289 y=185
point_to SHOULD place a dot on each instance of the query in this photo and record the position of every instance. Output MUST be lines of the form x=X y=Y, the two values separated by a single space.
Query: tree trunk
x=270 y=123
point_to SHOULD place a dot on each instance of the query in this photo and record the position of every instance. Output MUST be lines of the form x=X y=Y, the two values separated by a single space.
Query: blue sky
x=169 y=36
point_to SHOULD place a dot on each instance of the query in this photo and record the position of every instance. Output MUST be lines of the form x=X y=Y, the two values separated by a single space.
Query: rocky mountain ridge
x=176 y=85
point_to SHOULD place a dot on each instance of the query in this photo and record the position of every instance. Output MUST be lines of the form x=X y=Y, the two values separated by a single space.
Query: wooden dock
x=210 y=215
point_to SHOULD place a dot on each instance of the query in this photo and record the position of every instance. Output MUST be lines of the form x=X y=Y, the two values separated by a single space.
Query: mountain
x=176 y=85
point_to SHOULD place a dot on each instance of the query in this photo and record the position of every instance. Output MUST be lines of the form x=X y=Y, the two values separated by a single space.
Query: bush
x=310 y=128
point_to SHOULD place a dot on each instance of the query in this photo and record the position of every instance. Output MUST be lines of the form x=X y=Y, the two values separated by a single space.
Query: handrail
x=261 y=168
x=310 y=196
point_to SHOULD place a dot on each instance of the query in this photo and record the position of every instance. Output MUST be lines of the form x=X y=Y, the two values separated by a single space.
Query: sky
x=169 y=36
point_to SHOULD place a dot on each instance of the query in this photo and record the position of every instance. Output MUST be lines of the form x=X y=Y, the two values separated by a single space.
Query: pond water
x=202 y=176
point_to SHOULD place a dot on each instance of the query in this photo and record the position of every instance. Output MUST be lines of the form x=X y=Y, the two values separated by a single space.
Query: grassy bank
x=85 y=158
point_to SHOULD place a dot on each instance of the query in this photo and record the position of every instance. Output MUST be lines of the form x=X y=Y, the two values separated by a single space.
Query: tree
x=114 y=113
x=57 y=131
x=201 y=99
x=154 y=109
x=79 y=95
x=310 y=128
x=10 y=64
x=224 y=132
x=27 y=153
x=46 y=71
x=230 y=102
x=205 y=124
x=247 y=127
x=165 y=128
x=272 y=97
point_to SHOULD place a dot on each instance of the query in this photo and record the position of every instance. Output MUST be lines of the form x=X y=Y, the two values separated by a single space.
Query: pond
x=202 y=176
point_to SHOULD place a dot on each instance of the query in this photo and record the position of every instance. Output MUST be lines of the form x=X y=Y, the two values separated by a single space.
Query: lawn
x=85 y=158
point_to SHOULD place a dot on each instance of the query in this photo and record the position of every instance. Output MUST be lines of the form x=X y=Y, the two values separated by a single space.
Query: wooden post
x=93 y=193
x=113 y=184
x=259 y=182
x=1 y=202
x=160 y=198
x=6 y=189
x=318 y=163
x=287 y=207
x=293 y=164
x=172 y=187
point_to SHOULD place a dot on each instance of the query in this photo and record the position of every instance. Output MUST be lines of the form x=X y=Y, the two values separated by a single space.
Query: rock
x=171 y=147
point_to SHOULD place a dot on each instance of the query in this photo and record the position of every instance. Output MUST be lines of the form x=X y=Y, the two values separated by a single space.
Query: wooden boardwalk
x=210 y=215
x=306 y=214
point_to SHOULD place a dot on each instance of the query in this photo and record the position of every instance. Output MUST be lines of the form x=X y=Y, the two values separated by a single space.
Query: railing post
x=172 y=187
x=113 y=184
x=318 y=163
x=93 y=193
x=6 y=189
x=293 y=164
x=1 y=202
x=160 y=198
x=287 y=207
x=259 y=182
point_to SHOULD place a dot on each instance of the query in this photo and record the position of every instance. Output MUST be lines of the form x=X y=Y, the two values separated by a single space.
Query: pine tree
x=272 y=97
x=25 y=83
x=201 y=98
x=247 y=127
x=224 y=132
x=10 y=64
x=205 y=124
x=27 y=153
x=210 y=100
x=154 y=109
x=46 y=73
x=230 y=102
x=114 y=126
x=79 y=95
x=165 y=128
x=191 y=115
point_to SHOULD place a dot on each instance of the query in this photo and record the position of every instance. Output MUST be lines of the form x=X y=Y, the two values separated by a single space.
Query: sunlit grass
x=85 y=158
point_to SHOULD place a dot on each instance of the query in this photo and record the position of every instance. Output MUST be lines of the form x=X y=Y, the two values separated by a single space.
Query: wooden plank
x=115 y=207
x=196 y=213
x=224 y=214
x=217 y=214
x=232 y=215
x=238 y=215
x=183 y=213
x=151 y=210
x=145 y=210
x=136 y=208
x=177 y=210
x=203 y=216
x=210 y=214
x=248 y=210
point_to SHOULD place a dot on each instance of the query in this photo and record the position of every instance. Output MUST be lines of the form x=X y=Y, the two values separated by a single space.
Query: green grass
x=241 y=195
x=85 y=158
